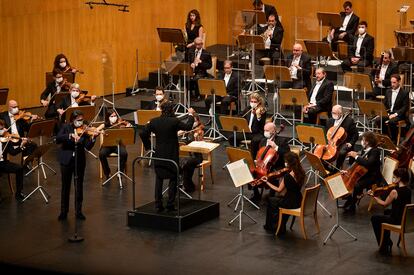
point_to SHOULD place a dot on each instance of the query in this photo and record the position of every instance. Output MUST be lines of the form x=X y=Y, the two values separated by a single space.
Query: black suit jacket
x=350 y=129
x=352 y=26
x=258 y=124
x=206 y=63
x=324 y=96
x=305 y=64
x=232 y=87
x=153 y=105
x=372 y=161
x=269 y=9
x=166 y=144
x=277 y=36
x=22 y=126
x=9 y=149
x=391 y=69
x=66 y=154
x=401 y=103
x=283 y=148
x=367 y=48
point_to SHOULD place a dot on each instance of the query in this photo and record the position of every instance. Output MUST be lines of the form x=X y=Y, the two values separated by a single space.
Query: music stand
x=41 y=129
x=318 y=49
x=337 y=189
x=141 y=119
x=358 y=82
x=372 y=109
x=70 y=77
x=294 y=97
x=277 y=74
x=385 y=144
x=235 y=124
x=213 y=87
x=332 y=20
x=180 y=69
x=4 y=92
x=37 y=155
x=118 y=137
x=253 y=17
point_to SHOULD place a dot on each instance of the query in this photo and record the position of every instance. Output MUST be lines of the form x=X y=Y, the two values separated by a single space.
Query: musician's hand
x=377 y=80
x=348 y=145
x=392 y=116
x=75 y=137
x=355 y=60
x=272 y=144
x=193 y=65
x=180 y=132
x=298 y=67
x=343 y=172
x=74 y=70
x=264 y=179
x=24 y=142
x=370 y=193
x=341 y=35
x=197 y=60
x=60 y=111
x=34 y=117
x=352 y=154
x=93 y=98
x=45 y=103
x=191 y=111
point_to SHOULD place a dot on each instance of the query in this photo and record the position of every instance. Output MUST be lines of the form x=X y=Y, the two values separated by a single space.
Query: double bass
x=336 y=135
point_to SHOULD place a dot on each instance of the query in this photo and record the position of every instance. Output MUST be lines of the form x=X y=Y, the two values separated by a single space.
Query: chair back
x=407 y=223
x=310 y=199
x=388 y=168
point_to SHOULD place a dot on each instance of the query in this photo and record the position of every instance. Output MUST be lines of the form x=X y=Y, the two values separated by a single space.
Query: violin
x=336 y=135
x=405 y=151
x=90 y=131
x=382 y=191
x=24 y=115
x=273 y=175
x=83 y=97
x=14 y=138
x=121 y=123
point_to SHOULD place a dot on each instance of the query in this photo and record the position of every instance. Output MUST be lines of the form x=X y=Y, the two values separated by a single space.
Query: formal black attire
x=51 y=89
x=66 y=158
x=303 y=75
x=401 y=105
x=291 y=200
x=366 y=53
x=232 y=89
x=350 y=30
x=275 y=52
x=351 y=131
x=398 y=205
x=192 y=33
x=165 y=129
x=9 y=167
x=323 y=100
x=392 y=68
x=201 y=70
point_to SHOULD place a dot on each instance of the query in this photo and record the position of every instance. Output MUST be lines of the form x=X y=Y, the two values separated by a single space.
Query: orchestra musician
x=370 y=158
x=160 y=98
x=255 y=114
x=6 y=166
x=348 y=28
x=47 y=97
x=113 y=121
x=74 y=139
x=361 y=53
x=200 y=62
x=280 y=144
x=193 y=28
x=75 y=99
x=382 y=73
x=289 y=193
x=398 y=198
x=165 y=129
x=320 y=96
x=299 y=65
x=272 y=35
x=62 y=65
x=231 y=81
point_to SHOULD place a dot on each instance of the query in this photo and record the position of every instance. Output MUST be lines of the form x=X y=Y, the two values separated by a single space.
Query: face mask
x=267 y=134
x=195 y=124
x=14 y=110
x=113 y=119
x=63 y=64
x=361 y=31
x=253 y=105
x=159 y=97
x=286 y=165
x=59 y=79
x=336 y=117
x=78 y=123
x=74 y=94
x=1 y=132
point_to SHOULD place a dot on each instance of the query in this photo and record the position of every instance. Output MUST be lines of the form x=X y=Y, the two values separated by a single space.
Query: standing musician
x=74 y=139
x=113 y=121
x=193 y=28
x=289 y=193
x=267 y=9
x=398 y=198
x=280 y=144
x=160 y=98
x=351 y=132
x=255 y=114
x=320 y=96
x=272 y=34
x=6 y=166
x=200 y=62
x=76 y=98
x=370 y=158
x=382 y=73
x=47 y=97
x=61 y=64
x=165 y=128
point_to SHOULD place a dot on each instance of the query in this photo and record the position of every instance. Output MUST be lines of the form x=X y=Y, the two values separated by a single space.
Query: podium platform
x=193 y=213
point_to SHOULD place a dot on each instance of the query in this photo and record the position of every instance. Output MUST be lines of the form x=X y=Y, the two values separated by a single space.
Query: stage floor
x=32 y=237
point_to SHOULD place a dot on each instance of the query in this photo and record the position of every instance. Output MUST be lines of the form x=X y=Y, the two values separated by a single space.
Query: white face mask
x=113 y=119
x=74 y=94
x=14 y=110
x=336 y=117
x=59 y=79
x=267 y=134
x=78 y=123
x=159 y=97
x=253 y=105
x=62 y=64
x=286 y=165
x=361 y=31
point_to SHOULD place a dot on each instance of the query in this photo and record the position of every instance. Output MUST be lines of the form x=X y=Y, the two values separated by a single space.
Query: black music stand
x=37 y=155
x=372 y=109
x=332 y=20
x=4 y=92
x=213 y=87
x=184 y=70
x=385 y=144
x=118 y=137
x=318 y=49
x=41 y=129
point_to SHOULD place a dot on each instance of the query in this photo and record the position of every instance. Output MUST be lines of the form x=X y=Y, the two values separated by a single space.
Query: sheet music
x=202 y=144
x=239 y=172
x=337 y=186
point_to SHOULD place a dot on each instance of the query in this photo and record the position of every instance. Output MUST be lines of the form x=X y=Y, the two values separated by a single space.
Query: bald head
x=270 y=127
x=336 y=111
x=198 y=42
x=297 y=49
x=13 y=107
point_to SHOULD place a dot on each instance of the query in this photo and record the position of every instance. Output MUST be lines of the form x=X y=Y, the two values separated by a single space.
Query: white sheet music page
x=239 y=172
x=337 y=186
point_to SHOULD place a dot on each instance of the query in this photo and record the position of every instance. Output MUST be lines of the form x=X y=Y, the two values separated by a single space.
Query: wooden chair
x=406 y=226
x=387 y=172
x=307 y=208
x=342 y=50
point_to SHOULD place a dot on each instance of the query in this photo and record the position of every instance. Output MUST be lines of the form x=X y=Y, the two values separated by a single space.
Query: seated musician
x=255 y=115
x=272 y=35
x=351 y=132
x=361 y=53
x=47 y=97
x=18 y=125
x=6 y=166
x=299 y=65
x=272 y=139
x=396 y=102
x=62 y=65
x=112 y=121
x=289 y=193
x=398 y=198
x=200 y=62
x=370 y=158
x=320 y=97
x=231 y=81
x=189 y=164
x=160 y=98
x=382 y=73
x=75 y=99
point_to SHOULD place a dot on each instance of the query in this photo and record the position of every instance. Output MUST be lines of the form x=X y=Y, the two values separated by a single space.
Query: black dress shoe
x=20 y=197
x=80 y=216
x=63 y=216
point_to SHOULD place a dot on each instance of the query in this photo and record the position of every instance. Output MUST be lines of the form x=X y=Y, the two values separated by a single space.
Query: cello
x=336 y=135
x=405 y=151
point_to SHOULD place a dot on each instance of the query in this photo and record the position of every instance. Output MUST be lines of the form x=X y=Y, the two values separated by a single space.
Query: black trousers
x=376 y=221
x=389 y=126
x=67 y=171
x=104 y=152
x=172 y=191
x=188 y=166
x=225 y=102
x=343 y=150
x=312 y=114
x=272 y=214
x=9 y=167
